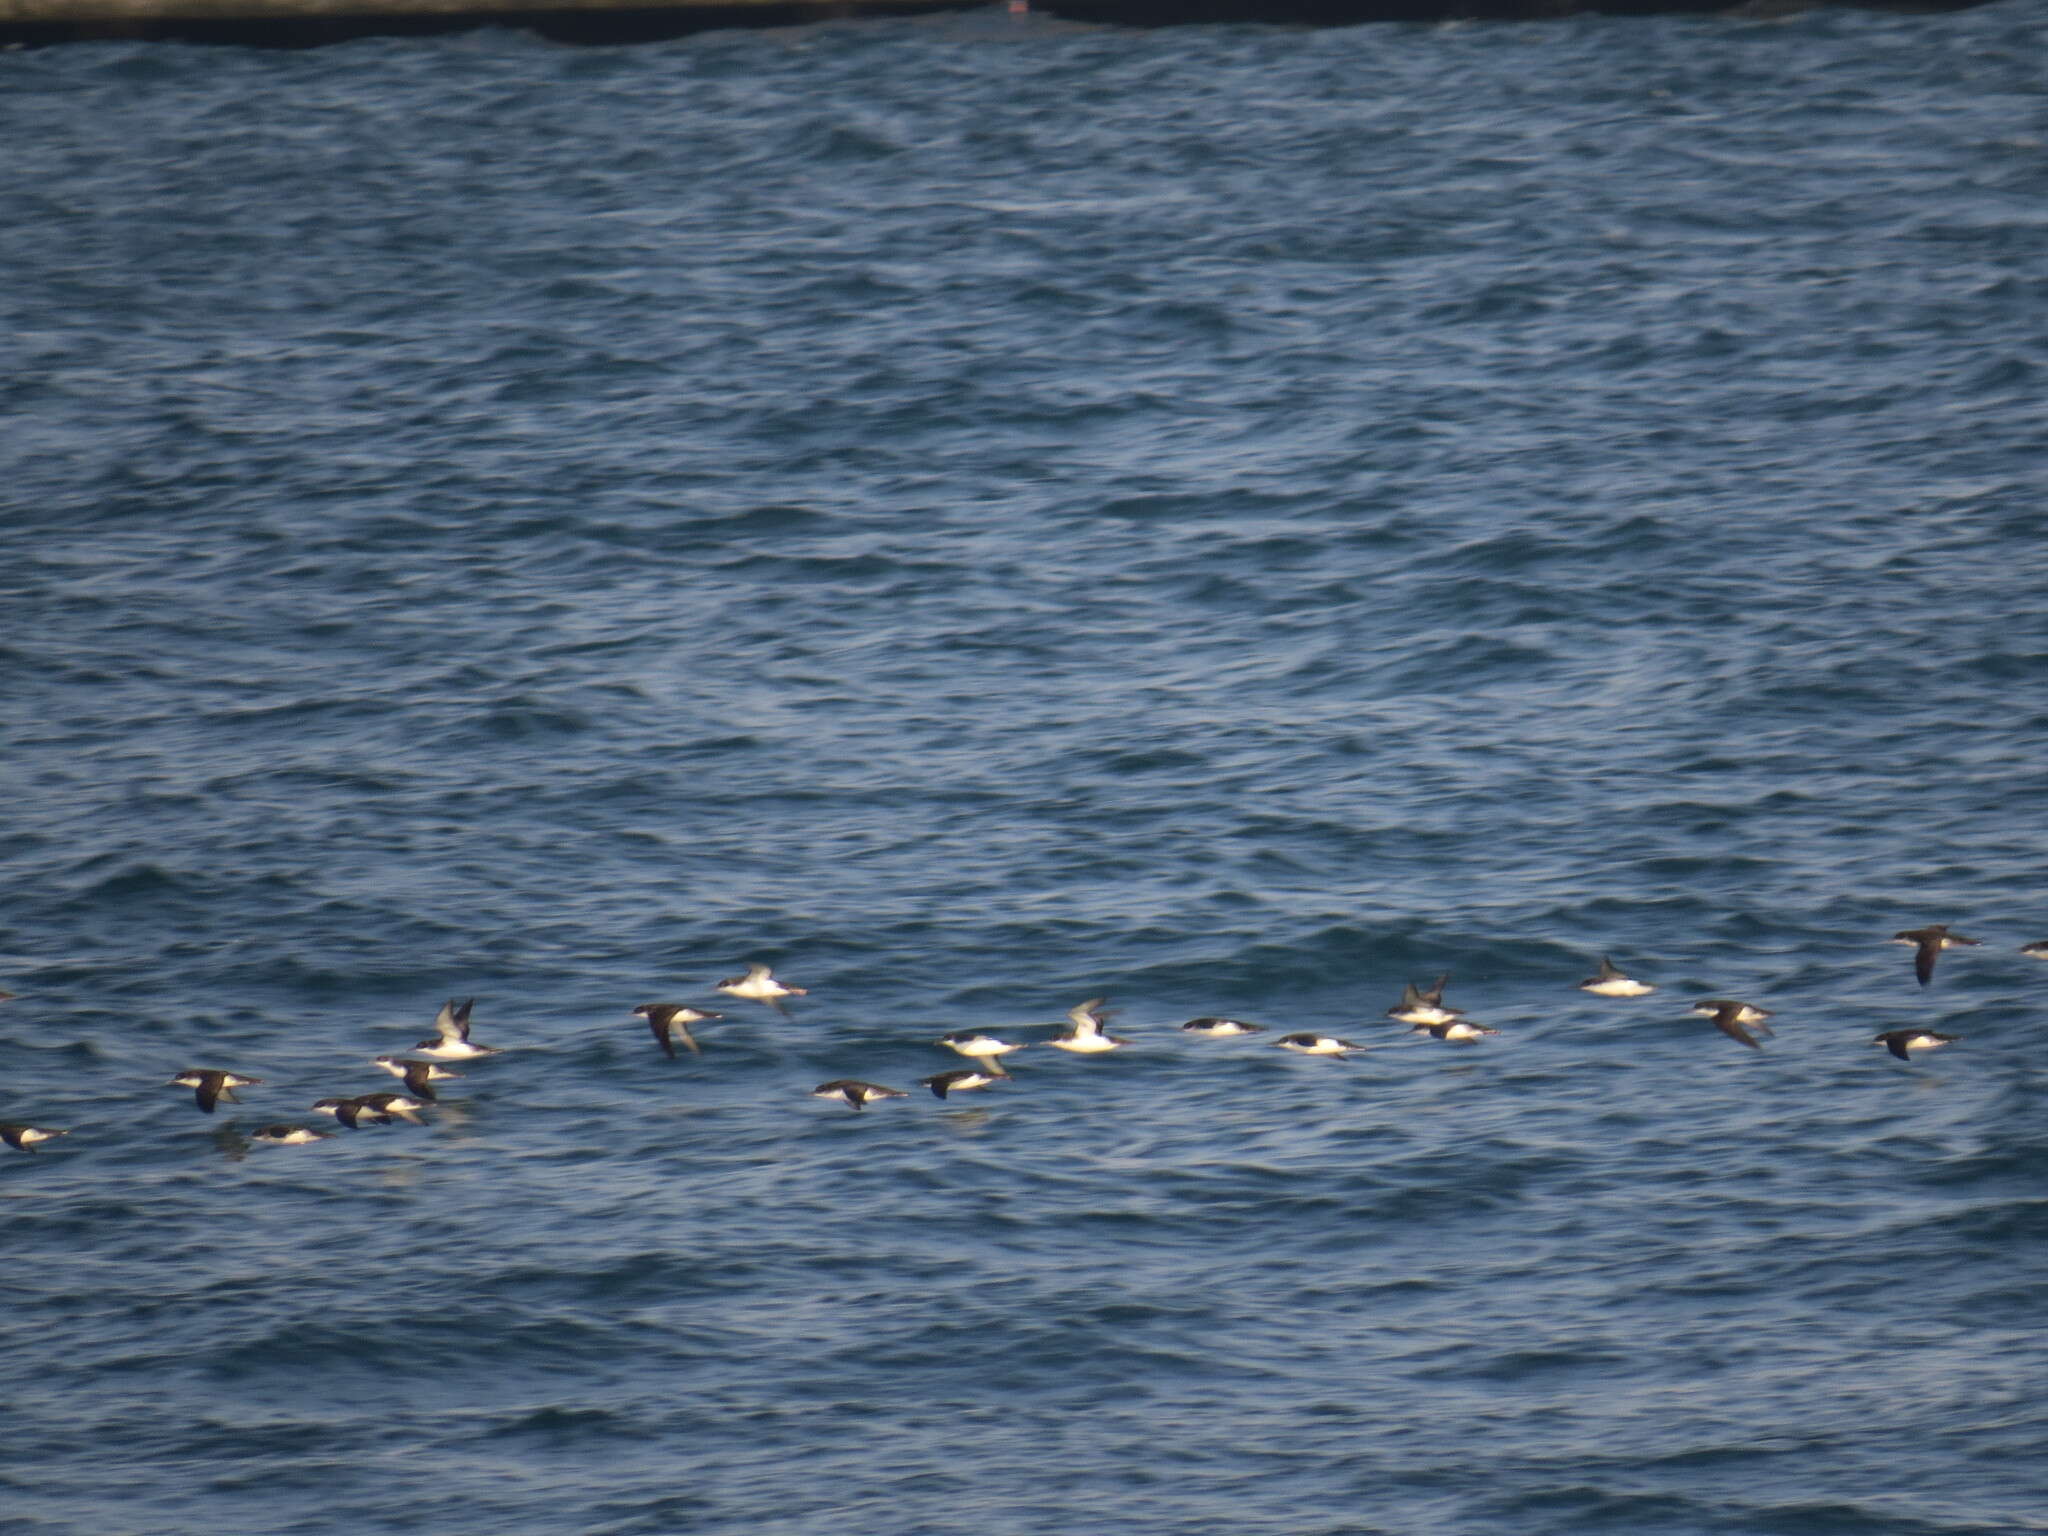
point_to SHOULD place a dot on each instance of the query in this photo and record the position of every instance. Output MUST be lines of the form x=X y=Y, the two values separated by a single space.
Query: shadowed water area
x=981 y=516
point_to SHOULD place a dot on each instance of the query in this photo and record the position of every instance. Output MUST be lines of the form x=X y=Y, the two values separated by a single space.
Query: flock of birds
x=1423 y=1009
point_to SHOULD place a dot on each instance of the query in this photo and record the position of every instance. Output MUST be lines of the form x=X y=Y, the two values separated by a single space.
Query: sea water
x=981 y=515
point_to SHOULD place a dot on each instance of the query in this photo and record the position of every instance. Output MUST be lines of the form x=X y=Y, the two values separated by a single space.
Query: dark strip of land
x=309 y=23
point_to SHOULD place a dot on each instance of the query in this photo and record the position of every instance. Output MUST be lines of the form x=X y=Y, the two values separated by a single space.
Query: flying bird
x=451 y=1040
x=1219 y=1029
x=1609 y=982
x=210 y=1085
x=1424 y=1007
x=1742 y=1013
x=1901 y=1041
x=1086 y=1035
x=1458 y=1031
x=1928 y=943
x=1728 y=1018
x=981 y=1046
x=960 y=1080
x=760 y=986
x=1317 y=1045
x=288 y=1135
x=353 y=1113
x=419 y=1077
x=23 y=1138
x=855 y=1094
x=404 y=1106
x=671 y=1022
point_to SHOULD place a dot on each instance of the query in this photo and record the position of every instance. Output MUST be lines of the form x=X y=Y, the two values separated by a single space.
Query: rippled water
x=982 y=516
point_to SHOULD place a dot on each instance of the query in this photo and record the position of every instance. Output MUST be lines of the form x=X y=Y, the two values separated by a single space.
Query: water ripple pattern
x=981 y=514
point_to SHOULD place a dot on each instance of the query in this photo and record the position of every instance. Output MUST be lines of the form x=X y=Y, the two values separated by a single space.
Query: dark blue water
x=982 y=516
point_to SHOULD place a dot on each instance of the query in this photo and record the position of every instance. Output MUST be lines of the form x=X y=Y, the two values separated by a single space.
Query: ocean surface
x=981 y=515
